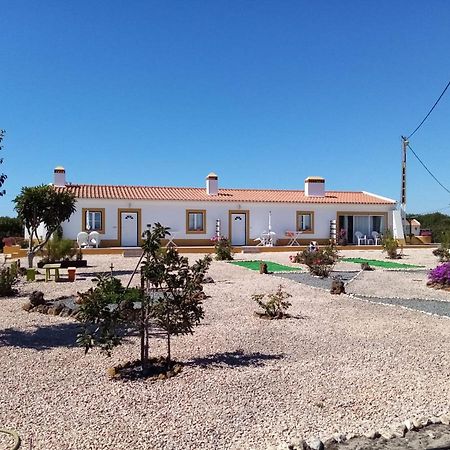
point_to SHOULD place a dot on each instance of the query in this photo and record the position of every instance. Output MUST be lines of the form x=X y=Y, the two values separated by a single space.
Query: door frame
x=119 y=223
x=384 y=214
x=247 y=223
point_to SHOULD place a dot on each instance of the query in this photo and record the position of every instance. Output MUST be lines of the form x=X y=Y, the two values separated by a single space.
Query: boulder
x=27 y=306
x=37 y=298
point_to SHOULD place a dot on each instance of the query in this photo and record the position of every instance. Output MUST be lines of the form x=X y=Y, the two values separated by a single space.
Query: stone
x=409 y=424
x=372 y=435
x=27 y=306
x=207 y=280
x=65 y=312
x=298 y=444
x=386 y=433
x=350 y=436
x=445 y=419
x=435 y=419
x=177 y=368
x=111 y=371
x=58 y=309
x=263 y=268
x=316 y=444
x=161 y=376
x=337 y=287
x=399 y=430
x=51 y=310
x=37 y=298
x=417 y=424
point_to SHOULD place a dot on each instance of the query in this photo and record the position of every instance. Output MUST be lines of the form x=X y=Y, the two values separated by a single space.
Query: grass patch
x=271 y=266
x=384 y=264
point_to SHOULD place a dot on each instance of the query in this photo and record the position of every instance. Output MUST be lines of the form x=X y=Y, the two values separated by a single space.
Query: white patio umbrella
x=88 y=220
x=270 y=221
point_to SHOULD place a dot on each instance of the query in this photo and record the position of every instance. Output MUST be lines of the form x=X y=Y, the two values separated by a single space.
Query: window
x=195 y=221
x=305 y=221
x=94 y=219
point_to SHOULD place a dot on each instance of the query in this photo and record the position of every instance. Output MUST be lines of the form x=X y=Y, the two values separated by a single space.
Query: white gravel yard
x=343 y=365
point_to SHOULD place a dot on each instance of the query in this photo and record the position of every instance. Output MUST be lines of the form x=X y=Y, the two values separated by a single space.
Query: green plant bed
x=384 y=264
x=271 y=266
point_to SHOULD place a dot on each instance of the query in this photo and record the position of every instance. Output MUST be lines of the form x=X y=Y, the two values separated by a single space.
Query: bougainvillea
x=440 y=274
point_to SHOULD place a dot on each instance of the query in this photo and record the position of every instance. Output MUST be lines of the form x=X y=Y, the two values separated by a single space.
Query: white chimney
x=212 y=184
x=59 y=176
x=315 y=187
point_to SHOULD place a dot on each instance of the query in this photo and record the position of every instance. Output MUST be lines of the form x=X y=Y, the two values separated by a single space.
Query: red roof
x=225 y=195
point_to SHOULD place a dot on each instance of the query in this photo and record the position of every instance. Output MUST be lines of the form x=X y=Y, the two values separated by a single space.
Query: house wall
x=173 y=214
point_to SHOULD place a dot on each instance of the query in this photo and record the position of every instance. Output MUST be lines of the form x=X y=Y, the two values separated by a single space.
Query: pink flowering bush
x=440 y=275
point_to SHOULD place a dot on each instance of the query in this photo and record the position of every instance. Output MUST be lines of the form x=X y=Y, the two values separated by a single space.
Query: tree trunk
x=30 y=256
x=168 y=351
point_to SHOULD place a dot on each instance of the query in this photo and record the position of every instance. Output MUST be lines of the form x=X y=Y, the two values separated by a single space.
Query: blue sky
x=264 y=93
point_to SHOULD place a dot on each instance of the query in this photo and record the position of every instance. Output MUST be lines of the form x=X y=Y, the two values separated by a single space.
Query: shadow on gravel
x=233 y=359
x=42 y=338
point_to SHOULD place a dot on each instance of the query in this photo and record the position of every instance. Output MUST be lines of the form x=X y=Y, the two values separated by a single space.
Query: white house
x=121 y=213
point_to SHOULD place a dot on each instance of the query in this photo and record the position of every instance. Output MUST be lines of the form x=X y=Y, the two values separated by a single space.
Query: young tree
x=2 y=176
x=42 y=206
x=170 y=299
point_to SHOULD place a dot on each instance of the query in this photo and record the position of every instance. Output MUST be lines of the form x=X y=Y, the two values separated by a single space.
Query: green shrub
x=276 y=305
x=390 y=245
x=319 y=262
x=58 y=249
x=442 y=253
x=8 y=278
x=223 y=248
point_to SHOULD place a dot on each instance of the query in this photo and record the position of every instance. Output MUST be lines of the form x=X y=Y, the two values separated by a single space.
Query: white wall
x=173 y=214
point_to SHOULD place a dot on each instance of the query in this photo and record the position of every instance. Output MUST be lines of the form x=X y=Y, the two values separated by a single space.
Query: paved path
x=440 y=308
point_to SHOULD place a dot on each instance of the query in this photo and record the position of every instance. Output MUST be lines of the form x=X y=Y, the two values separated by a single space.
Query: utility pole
x=405 y=143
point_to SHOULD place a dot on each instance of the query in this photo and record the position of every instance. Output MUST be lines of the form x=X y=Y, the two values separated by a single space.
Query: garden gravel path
x=338 y=366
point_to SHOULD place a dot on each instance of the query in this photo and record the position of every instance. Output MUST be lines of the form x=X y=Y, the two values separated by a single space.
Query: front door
x=129 y=229
x=238 y=228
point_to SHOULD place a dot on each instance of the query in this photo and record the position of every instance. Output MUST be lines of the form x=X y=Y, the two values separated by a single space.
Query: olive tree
x=42 y=206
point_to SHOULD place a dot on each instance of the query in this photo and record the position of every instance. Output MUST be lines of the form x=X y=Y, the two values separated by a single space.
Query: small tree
x=2 y=176
x=170 y=299
x=390 y=245
x=42 y=206
x=276 y=305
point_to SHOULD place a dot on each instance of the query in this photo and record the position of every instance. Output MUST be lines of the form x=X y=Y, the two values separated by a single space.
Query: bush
x=58 y=249
x=442 y=253
x=8 y=278
x=276 y=306
x=440 y=275
x=319 y=262
x=223 y=249
x=390 y=245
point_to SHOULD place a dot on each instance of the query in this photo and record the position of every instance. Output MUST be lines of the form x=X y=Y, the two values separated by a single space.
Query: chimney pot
x=59 y=176
x=212 y=184
x=315 y=187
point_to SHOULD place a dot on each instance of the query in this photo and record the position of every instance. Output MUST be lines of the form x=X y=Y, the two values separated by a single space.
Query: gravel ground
x=344 y=366
x=323 y=283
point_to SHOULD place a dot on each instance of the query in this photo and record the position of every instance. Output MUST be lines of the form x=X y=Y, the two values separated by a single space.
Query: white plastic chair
x=361 y=237
x=94 y=239
x=376 y=237
x=82 y=239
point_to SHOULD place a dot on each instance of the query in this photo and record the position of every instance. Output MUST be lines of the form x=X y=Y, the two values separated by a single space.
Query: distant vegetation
x=438 y=223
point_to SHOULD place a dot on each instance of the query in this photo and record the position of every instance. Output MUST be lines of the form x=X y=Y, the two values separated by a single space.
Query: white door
x=129 y=227
x=238 y=229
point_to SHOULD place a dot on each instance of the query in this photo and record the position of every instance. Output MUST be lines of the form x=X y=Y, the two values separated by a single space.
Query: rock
x=399 y=430
x=372 y=435
x=27 y=306
x=207 y=280
x=298 y=444
x=58 y=309
x=177 y=368
x=51 y=310
x=350 y=436
x=386 y=433
x=111 y=371
x=65 y=312
x=435 y=419
x=263 y=268
x=366 y=266
x=37 y=298
x=40 y=308
x=161 y=376
x=445 y=419
x=316 y=444
x=337 y=287
x=409 y=424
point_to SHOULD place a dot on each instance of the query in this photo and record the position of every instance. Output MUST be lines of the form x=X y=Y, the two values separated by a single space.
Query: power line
x=426 y=168
x=430 y=111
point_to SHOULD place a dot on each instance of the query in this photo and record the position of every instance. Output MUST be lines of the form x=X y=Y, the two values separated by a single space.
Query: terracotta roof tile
x=225 y=195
